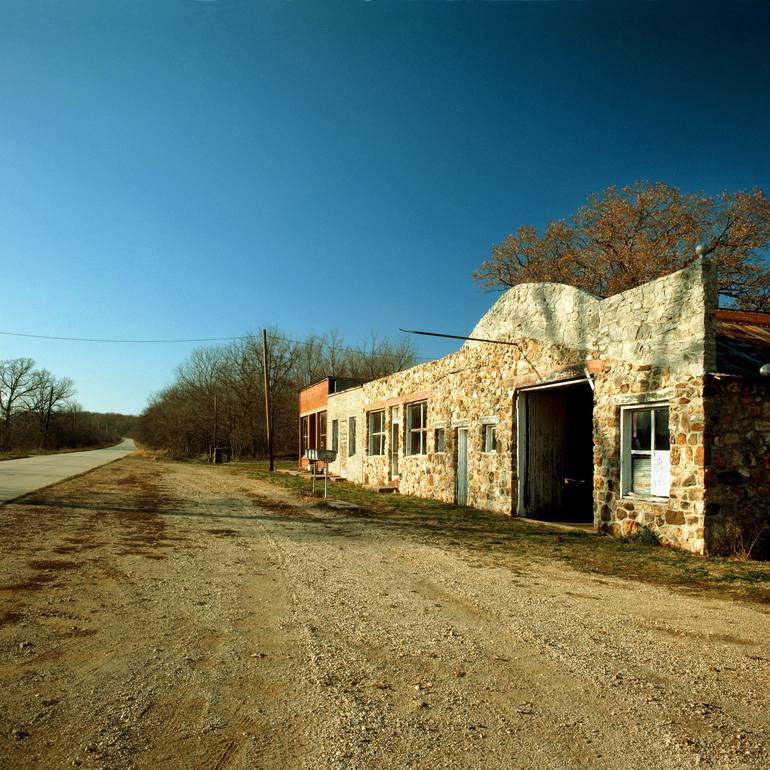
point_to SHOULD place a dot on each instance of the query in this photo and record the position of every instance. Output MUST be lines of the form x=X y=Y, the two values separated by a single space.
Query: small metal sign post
x=315 y=455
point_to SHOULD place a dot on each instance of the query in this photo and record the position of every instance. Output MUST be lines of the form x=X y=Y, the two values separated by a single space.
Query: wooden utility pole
x=216 y=430
x=268 y=421
x=47 y=418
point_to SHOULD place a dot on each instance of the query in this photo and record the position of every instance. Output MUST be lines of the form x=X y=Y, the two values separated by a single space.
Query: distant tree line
x=38 y=411
x=218 y=394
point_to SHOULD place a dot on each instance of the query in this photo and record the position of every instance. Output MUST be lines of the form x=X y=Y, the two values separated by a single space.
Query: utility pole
x=216 y=427
x=268 y=421
x=47 y=418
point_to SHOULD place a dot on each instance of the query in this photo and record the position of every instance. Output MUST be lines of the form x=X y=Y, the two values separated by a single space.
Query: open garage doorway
x=555 y=452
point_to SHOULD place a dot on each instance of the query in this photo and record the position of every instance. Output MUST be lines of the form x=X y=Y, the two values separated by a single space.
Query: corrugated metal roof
x=743 y=341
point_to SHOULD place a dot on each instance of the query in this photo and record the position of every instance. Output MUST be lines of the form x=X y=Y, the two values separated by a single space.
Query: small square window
x=490 y=438
x=438 y=441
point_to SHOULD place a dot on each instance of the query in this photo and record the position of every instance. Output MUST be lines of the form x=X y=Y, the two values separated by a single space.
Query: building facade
x=644 y=409
x=346 y=432
x=313 y=418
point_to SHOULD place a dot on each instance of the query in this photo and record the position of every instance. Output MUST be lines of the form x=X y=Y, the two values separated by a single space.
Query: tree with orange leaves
x=622 y=238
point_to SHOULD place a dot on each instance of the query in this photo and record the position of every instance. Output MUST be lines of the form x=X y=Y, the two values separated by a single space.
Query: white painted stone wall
x=341 y=406
x=662 y=323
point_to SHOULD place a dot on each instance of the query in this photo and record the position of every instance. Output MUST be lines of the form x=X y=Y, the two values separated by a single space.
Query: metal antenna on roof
x=476 y=339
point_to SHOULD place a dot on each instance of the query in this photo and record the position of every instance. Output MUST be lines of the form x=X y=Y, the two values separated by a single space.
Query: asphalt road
x=19 y=477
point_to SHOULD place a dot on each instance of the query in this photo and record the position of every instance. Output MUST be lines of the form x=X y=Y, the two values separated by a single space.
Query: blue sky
x=178 y=169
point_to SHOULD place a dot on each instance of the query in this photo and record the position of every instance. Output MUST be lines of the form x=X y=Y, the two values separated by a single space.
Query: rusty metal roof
x=743 y=341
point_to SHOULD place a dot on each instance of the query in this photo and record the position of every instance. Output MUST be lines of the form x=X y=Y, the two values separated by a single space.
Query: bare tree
x=179 y=418
x=16 y=384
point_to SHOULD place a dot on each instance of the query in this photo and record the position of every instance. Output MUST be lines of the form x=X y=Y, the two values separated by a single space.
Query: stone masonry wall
x=651 y=344
x=460 y=389
x=738 y=455
x=655 y=342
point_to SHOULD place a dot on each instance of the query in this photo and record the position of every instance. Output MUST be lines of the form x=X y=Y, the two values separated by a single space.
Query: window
x=322 y=430
x=351 y=436
x=438 y=441
x=303 y=436
x=416 y=427
x=645 y=466
x=335 y=435
x=490 y=438
x=377 y=433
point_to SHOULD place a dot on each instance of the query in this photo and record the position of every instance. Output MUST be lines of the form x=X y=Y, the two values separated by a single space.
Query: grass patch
x=506 y=541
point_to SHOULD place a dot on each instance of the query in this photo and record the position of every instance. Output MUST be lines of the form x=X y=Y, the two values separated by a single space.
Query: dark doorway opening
x=558 y=453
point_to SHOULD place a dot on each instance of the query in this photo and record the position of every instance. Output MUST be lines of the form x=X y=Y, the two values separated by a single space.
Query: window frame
x=420 y=432
x=376 y=436
x=322 y=425
x=658 y=482
x=335 y=435
x=439 y=447
x=489 y=429
x=351 y=436
x=304 y=434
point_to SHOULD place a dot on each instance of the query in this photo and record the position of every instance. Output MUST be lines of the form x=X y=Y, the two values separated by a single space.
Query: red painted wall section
x=314 y=396
x=312 y=399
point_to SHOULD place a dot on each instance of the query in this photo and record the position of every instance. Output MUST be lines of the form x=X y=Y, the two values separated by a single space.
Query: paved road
x=18 y=477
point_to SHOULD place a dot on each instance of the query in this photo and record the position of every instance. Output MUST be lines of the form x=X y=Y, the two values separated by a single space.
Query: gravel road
x=178 y=616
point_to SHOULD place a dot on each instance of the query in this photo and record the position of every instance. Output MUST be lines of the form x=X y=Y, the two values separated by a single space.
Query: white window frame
x=660 y=459
x=376 y=437
x=489 y=430
x=351 y=436
x=421 y=431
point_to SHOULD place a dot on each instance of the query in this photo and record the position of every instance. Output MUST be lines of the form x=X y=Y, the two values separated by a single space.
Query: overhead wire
x=108 y=340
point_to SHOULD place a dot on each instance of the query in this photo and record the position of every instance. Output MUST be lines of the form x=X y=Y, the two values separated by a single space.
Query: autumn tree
x=624 y=237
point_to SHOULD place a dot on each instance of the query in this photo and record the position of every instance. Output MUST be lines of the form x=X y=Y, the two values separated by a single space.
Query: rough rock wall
x=549 y=312
x=666 y=323
x=460 y=390
x=738 y=456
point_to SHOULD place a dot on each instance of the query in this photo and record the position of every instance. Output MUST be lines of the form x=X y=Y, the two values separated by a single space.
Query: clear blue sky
x=179 y=168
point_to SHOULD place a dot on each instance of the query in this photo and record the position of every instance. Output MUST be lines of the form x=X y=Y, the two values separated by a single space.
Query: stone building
x=644 y=409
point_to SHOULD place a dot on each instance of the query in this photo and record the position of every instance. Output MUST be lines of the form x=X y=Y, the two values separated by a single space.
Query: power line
x=140 y=342
x=108 y=340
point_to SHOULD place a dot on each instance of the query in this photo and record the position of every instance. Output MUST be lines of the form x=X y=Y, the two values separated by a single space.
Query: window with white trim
x=438 y=441
x=645 y=463
x=417 y=428
x=377 y=432
x=322 y=430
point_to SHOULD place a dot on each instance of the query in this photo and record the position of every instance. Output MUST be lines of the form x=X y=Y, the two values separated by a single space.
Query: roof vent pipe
x=764 y=370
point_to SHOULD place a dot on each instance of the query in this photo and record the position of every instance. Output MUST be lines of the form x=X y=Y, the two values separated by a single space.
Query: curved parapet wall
x=549 y=312
x=665 y=322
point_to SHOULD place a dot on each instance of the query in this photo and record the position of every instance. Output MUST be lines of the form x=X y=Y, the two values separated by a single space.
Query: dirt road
x=174 y=616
